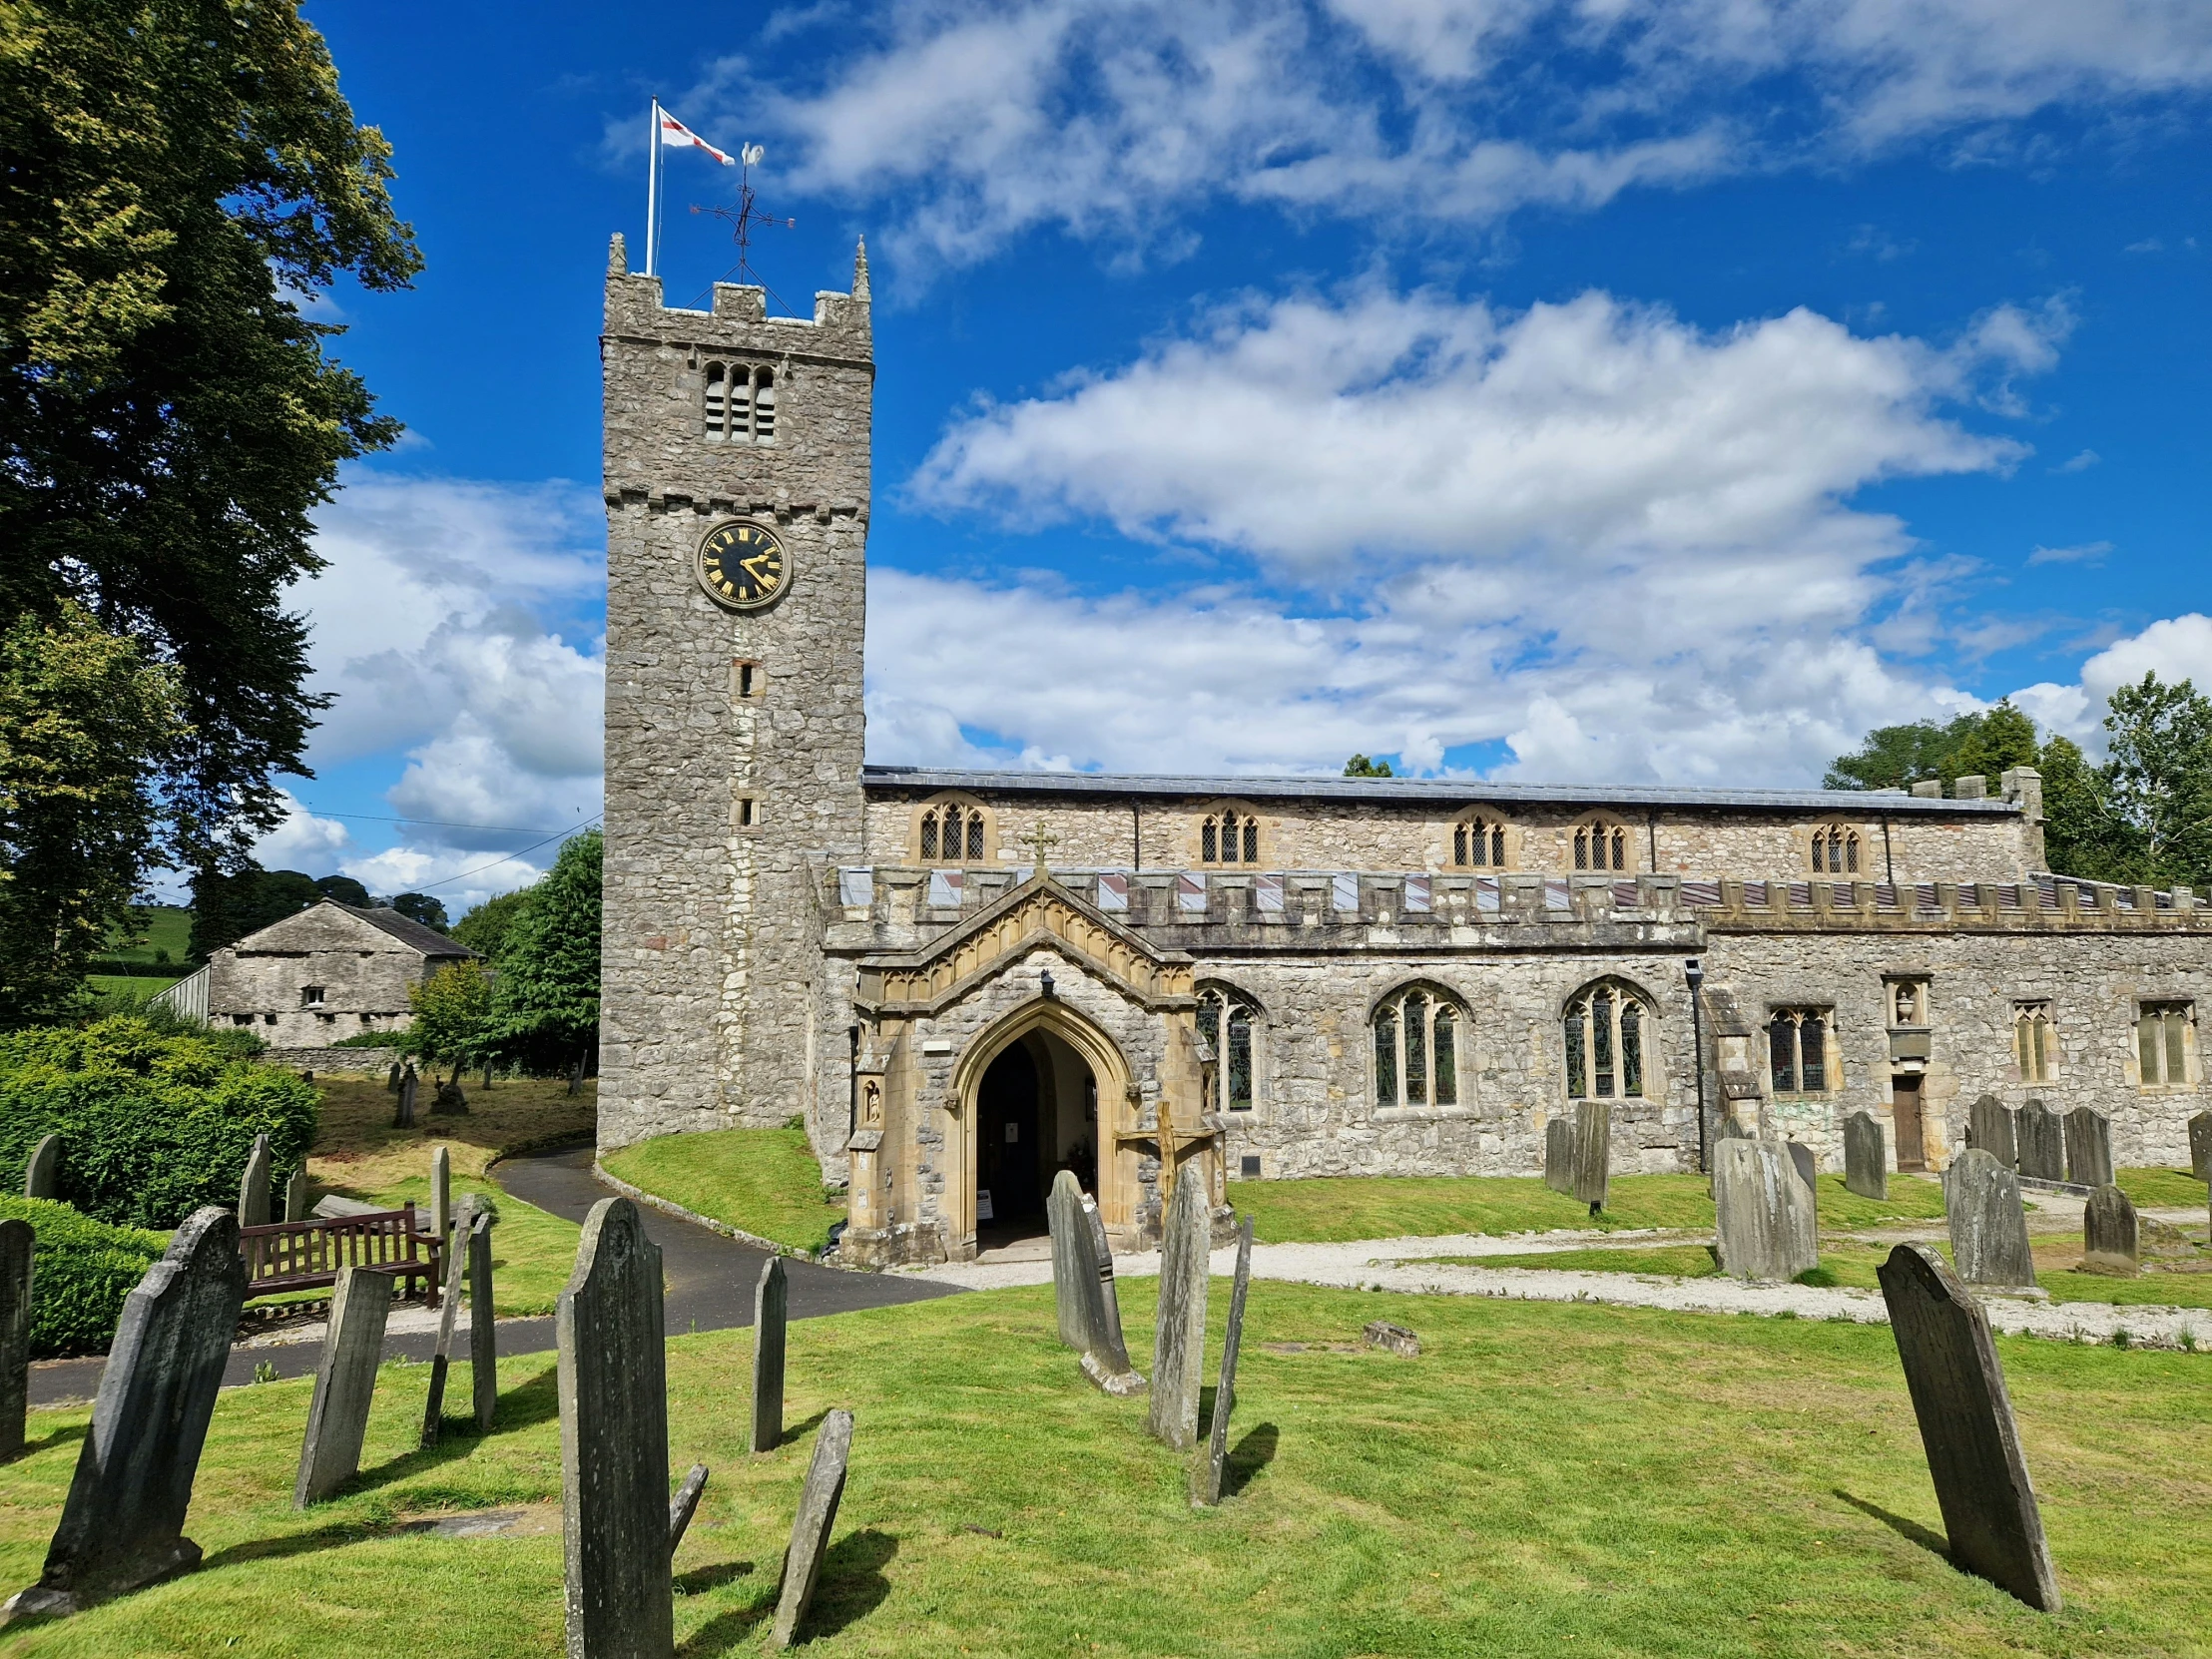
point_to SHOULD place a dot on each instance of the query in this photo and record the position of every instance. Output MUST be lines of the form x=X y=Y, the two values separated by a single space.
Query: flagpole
x=652 y=187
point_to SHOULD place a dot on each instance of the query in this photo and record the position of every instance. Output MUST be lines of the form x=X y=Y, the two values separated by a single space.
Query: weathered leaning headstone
x=2112 y=1242
x=17 y=1243
x=1206 y=1473
x=771 y=1311
x=1989 y=1229
x=1866 y=1159
x=1074 y=1281
x=483 y=1328
x=449 y=1313
x=685 y=1501
x=344 y=1385
x=614 y=1441
x=1559 y=1155
x=42 y=1175
x=299 y=1199
x=2089 y=1147
x=1106 y=1360
x=818 y=1513
x=123 y=1525
x=404 y=1115
x=1593 y=1151
x=2200 y=1146
x=1807 y=1166
x=1989 y=1127
x=391 y=1079
x=2043 y=1142
x=253 y=1186
x=1765 y=1211
x=1179 y=1341
x=1991 y=1517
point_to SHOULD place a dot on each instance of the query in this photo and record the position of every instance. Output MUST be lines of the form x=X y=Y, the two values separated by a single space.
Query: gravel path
x=1407 y=1265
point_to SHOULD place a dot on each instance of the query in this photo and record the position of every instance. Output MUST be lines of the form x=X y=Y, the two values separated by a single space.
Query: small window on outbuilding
x=311 y=996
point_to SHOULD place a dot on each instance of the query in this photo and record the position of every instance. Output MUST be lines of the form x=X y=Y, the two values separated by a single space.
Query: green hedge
x=152 y=1125
x=81 y=1272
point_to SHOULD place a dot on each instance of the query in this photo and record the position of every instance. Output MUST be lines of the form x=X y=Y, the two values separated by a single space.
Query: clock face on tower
x=743 y=566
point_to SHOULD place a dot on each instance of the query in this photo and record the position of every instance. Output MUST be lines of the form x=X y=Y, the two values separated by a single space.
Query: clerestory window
x=952 y=833
x=1417 y=1049
x=1606 y=1029
x=1229 y=837
x=1601 y=845
x=1478 y=844
x=1835 y=850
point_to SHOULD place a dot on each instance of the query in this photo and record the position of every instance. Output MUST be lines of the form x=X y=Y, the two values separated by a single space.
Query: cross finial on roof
x=1039 y=841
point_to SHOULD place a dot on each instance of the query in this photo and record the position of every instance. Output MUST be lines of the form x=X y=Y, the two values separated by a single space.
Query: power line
x=434 y=823
x=557 y=836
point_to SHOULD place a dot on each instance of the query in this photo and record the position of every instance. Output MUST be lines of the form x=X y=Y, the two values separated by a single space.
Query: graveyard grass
x=761 y=1181
x=358 y=1153
x=1542 y=1479
x=1339 y=1208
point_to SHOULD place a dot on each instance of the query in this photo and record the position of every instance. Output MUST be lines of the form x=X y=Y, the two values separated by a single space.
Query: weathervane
x=747 y=214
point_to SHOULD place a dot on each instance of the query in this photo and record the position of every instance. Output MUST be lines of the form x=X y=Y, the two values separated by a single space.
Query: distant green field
x=126 y=985
x=158 y=927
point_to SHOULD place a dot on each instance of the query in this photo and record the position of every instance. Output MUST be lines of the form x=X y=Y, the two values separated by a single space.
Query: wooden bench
x=308 y=1255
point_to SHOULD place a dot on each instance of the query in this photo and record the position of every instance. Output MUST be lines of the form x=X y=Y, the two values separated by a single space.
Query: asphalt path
x=709 y=1279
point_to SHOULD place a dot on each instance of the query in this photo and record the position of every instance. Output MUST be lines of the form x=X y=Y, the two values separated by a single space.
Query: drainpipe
x=1694 y=971
x=853 y=1082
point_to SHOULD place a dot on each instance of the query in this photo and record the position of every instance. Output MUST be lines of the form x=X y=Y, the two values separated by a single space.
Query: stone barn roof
x=289 y=935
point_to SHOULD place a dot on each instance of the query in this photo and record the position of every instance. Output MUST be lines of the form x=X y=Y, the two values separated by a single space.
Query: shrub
x=152 y=1126
x=81 y=1271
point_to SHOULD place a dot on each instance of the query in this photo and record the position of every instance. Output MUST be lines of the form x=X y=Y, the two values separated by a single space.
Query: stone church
x=961 y=982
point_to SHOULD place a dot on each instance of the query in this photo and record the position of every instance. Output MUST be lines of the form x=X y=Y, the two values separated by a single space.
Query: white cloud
x=1112 y=117
x=2082 y=553
x=2079 y=462
x=303 y=840
x=459 y=880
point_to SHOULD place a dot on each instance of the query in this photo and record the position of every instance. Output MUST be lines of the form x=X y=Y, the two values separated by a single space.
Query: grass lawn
x=358 y=1153
x=2160 y=1189
x=158 y=927
x=532 y=1253
x=127 y=985
x=1542 y=1480
x=763 y=1181
x=1333 y=1209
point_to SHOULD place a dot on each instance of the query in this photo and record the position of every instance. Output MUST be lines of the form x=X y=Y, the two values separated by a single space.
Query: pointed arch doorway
x=1030 y=1091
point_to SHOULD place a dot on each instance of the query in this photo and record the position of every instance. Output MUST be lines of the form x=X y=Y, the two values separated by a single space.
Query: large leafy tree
x=175 y=177
x=547 y=1001
x=1986 y=744
x=453 y=1015
x=486 y=927
x=85 y=723
x=227 y=908
x=2158 y=777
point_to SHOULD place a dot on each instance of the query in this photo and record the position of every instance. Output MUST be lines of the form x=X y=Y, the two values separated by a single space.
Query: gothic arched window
x=1230 y=835
x=1478 y=844
x=1607 y=1029
x=952 y=833
x=1798 y=1045
x=1229 y=1023
x=1835 y=850
x=1601 y=845
x=1416 y=1048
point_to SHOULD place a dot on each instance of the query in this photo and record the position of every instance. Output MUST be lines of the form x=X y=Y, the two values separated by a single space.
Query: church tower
x=736 y=487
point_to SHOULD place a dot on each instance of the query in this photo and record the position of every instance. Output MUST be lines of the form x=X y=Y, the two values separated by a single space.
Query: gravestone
x=684 y=1503
x=253 y=1186
x=2111 y=1243
x=1559 y=1155
x=42 y=1175
x=403 y=1114
x=614 y=1441
x=391 y=1079
x=771 y=1310
x=2088 y=1148
x=344 y=1385
x=483 y=1328
x=1989 y=1127
x=1593 y=1151
x=441 y=1191
x=2200 y=1146
x=1179 y=1331
x=17 y=1243
x=1989 y=1229
x=1991 y=1517
x=818 y=1513
x=449 y=1313
x=2043 y=1142
x=1106 y=1360
x=123 y=1525
x=1866 y=1159
x=1765 y=1212
x=1807 y=1166
x=1391 y=1338
x=1071 y=1268
x=1206 y=1473
x=299 y=1200
x=448 y=1101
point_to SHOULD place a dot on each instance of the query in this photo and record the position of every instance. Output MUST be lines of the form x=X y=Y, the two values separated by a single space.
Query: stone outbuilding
x=329 y=972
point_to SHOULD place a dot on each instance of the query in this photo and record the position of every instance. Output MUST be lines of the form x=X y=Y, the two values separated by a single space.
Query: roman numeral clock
x=743 y=567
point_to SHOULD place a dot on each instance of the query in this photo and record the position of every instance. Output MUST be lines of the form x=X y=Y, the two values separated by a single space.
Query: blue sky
x=1548 y=390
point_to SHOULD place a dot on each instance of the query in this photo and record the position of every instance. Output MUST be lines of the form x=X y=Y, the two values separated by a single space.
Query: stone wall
x=364 y=975
x=722 y=806
x=1977 y=841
